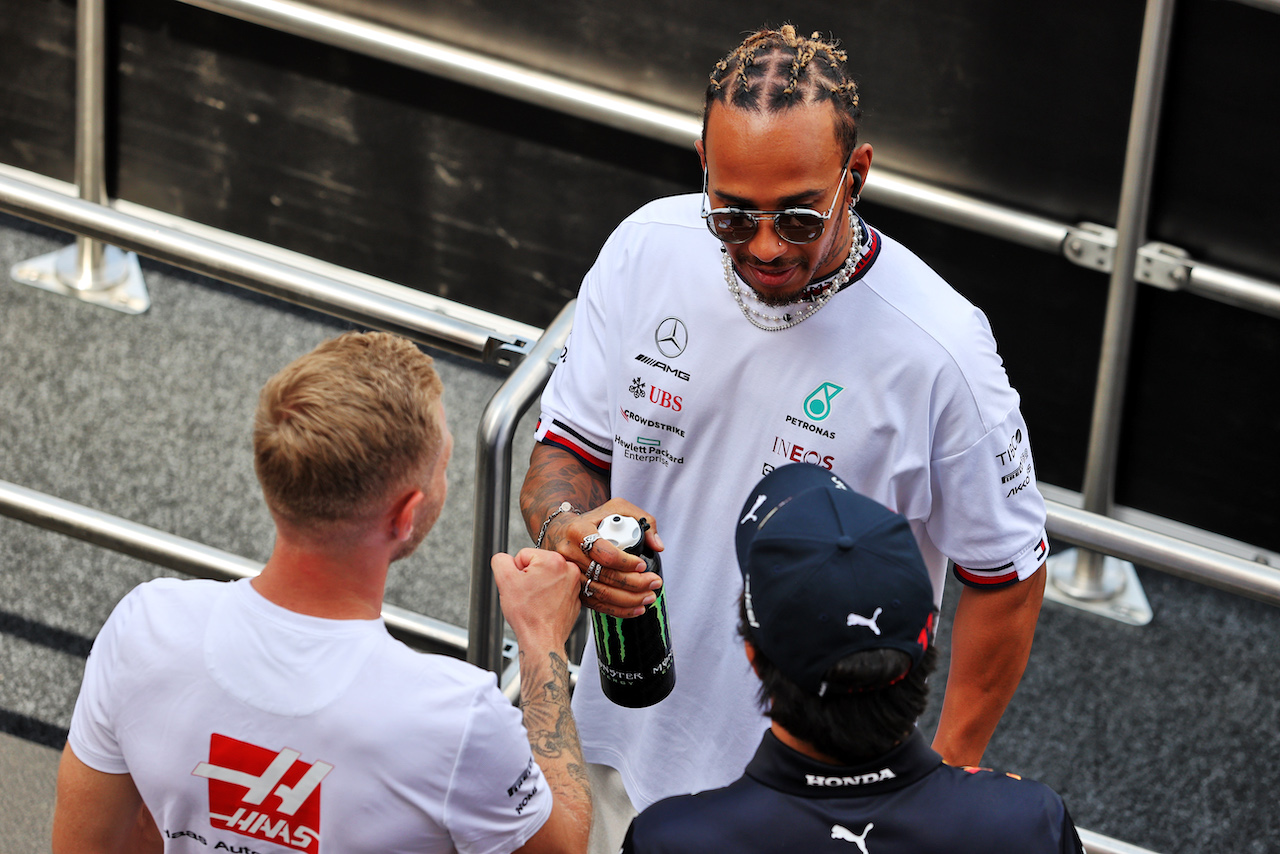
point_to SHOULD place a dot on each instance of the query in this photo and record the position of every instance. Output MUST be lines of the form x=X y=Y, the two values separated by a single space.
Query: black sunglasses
x=794 y=225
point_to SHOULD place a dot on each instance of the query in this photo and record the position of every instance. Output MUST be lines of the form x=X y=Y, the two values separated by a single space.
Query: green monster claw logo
x=612 y=635
x=661 y=605
x=606 y=627
x=818 y=404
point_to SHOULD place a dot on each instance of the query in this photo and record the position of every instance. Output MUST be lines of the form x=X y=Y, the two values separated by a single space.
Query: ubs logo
x=664 y=399
x=671 y=336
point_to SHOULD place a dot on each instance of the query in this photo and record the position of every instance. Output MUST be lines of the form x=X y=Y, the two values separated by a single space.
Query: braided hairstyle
x=775 y=70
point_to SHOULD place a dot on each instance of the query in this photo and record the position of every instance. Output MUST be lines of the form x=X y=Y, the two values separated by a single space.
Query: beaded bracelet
x=554 y=513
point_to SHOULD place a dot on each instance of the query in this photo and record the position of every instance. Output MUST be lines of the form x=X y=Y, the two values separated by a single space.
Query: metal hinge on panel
x=1163 y=265
x=1094 y=246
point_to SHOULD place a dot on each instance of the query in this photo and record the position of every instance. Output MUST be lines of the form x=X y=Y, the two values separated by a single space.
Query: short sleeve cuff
x=1020 y=568
x=594 y=455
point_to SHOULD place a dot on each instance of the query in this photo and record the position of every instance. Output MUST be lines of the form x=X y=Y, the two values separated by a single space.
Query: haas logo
x=838 y=832
x=264 y=794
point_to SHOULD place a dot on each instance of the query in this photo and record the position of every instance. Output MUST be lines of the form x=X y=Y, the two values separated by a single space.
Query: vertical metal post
x=1089 y=578
x=91 y=124
x=493 y=486
x=90 y=270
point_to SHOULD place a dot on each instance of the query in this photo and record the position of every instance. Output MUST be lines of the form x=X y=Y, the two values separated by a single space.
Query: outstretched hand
x=538 y=590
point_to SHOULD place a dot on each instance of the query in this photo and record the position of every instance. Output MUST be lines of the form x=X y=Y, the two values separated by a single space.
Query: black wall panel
x=501 y=205
x=1201 y=439
x=37 y=86
x=1217 y=168
x=415 y=179
x=1026 y=103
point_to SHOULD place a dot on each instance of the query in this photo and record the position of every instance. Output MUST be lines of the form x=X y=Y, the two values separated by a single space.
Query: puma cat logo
x=869 y=622
x=838 y=832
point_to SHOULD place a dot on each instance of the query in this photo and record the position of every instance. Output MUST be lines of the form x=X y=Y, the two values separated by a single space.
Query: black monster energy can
x=637 y=665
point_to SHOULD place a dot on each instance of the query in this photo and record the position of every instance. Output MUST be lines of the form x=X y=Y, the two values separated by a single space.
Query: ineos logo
x=671 y=336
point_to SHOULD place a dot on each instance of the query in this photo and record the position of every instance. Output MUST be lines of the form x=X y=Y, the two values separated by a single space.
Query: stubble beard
x=832 y=252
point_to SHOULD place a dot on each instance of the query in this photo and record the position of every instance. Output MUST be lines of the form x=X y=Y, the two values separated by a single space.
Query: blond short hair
x=339 y=428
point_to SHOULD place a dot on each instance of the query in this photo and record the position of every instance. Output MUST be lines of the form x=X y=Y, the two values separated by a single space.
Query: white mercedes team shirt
x=895 y=385
x=248 y=727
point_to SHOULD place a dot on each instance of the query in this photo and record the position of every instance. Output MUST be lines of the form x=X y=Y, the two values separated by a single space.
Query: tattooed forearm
x=544 y=699
x=555 y=475
x=553 y=735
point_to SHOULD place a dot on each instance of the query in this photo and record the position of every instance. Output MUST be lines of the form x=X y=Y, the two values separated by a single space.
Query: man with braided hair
x=833 y=345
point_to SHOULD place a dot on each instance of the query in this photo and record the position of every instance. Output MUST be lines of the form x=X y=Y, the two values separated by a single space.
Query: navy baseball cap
x=828 y=572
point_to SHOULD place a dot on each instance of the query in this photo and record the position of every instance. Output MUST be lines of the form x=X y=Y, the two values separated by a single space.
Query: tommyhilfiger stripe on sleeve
x=988 y=579
x=598 y=457
x=1005 y=574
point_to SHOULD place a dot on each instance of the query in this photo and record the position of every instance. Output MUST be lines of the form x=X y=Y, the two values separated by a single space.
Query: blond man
x=277 y=714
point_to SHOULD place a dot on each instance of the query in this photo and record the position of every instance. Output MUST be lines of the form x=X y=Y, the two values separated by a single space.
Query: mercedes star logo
x=671 y=337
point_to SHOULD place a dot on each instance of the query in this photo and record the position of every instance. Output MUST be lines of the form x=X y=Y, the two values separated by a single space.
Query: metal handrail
x=493 y=484
x=1269 y=5
x=192 y=558
x=1096 y=843
x=1165 y=553
x=1036 y=232
x=677 y=127
x=393 y=308
x=1233 y=288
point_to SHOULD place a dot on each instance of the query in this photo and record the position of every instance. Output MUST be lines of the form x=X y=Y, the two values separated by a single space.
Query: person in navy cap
x=837 y=618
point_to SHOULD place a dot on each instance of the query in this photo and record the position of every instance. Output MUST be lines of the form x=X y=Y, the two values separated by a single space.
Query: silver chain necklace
x=806 y=306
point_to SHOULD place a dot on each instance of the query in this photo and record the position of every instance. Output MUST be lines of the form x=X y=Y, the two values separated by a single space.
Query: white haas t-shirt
x=250 y=728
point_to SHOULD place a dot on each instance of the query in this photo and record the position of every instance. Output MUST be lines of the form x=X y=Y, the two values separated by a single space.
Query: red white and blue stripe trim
x=994 y=578
x=597 y=457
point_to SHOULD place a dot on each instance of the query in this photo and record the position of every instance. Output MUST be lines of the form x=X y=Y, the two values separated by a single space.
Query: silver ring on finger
x=587 y=542
x=594 y=568
x=586 y=590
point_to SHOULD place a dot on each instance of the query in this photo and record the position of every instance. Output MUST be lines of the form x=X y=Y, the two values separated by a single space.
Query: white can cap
x=623 y=531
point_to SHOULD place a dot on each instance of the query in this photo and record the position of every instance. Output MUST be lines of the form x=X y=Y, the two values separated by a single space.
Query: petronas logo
x=818 y=404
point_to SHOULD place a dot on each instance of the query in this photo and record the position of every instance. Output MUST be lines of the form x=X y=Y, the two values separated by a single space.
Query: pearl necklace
x=811 y=303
